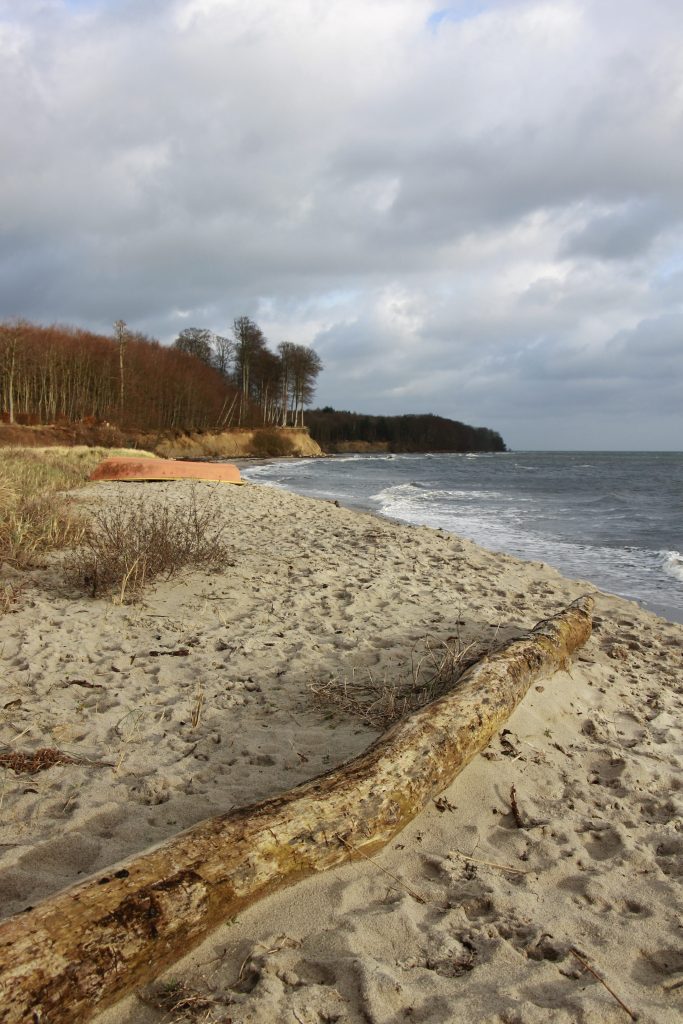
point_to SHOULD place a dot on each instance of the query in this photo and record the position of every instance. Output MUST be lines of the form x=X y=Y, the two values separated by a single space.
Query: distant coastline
x=406 y=434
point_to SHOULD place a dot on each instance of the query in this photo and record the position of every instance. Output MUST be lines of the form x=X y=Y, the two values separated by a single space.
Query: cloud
x=468 y=208
x=621 y=234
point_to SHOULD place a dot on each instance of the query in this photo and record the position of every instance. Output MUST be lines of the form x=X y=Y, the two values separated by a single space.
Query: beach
x=552 y=861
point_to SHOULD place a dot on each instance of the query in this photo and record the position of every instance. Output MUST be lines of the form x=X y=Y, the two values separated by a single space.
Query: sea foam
x=673 y=564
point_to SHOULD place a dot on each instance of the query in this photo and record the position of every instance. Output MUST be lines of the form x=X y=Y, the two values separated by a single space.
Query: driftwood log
x=80 y=951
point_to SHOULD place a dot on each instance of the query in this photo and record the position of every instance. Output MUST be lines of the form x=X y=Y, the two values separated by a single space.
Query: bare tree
x=121 y=329
x=9 y=339
x=306 y=364
x=286 y=351
x=196 y=341
x=223 y=354
x=249 y=340
x=266 y=372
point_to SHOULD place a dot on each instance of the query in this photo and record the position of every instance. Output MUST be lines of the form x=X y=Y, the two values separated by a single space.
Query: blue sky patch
x=463 y=11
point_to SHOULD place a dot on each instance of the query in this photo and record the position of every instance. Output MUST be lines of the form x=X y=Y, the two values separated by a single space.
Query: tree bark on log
x=83 y=949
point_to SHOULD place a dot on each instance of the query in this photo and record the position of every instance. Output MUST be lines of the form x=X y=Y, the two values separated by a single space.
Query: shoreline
x=316 y=592
x=656 y=605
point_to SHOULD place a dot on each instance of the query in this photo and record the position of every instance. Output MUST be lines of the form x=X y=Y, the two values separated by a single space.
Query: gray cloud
x=620 y=234
x=475 y=213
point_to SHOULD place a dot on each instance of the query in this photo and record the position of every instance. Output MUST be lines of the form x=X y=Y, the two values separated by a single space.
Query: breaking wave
x=672 y=562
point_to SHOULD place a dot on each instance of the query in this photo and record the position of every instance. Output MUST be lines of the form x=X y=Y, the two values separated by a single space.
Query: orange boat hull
x=165 y=469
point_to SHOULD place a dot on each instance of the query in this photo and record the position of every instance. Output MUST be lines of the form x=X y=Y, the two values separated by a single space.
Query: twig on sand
x=285 y=943
x=46 y=757
x=197 y=710
x=85 y=683
x=514 y=807
x=411 y=892
x=488 y=863
x=591 y=970
x=175 y=997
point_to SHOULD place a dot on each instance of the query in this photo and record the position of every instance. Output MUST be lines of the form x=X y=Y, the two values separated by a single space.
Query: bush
x=128 y=544
x=271 y=442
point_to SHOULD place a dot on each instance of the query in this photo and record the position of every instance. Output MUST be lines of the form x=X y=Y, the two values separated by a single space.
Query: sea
x=614 y=518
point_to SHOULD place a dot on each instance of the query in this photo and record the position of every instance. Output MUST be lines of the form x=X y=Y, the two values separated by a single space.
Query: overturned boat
x=127 y=468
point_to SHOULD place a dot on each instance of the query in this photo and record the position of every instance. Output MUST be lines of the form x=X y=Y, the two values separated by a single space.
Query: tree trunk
x=83 y=949
x=11 y=364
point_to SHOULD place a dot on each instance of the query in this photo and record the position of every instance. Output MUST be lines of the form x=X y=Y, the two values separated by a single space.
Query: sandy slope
x=319 y=593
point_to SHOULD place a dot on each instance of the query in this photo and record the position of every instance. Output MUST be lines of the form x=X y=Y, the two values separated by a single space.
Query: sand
x=199 y=698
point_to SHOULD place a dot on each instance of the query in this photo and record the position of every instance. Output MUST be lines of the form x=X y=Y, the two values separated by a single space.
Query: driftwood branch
x=85 y=948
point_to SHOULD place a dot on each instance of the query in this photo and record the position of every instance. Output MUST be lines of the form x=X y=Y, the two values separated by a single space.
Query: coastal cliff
x=241 y=444
x=257 y=443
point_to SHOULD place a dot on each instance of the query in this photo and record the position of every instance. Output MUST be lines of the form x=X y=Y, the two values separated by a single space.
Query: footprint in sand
x=632 y=908
x=604 y=845
x=669 y=856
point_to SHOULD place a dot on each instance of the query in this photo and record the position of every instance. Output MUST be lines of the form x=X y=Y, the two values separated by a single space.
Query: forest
x=203 y=381
x=408 y=433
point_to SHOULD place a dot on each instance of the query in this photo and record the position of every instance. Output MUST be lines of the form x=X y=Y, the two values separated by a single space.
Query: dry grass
x=360 y=695
x=436 y=666
x=34 y=471
x=31 y=526
x=35 y=517
x=130 y=543
x=9 y=595
x=181 y=1003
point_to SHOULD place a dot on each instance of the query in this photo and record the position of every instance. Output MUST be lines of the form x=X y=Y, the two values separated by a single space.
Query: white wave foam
x=394 y=492
x=424 y=496
x=263 y=482
x=274 y=468
x=370 y=457
x=673 y=564
x=472 y=495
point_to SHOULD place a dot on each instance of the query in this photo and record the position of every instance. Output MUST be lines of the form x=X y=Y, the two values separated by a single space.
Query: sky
x=472 y=209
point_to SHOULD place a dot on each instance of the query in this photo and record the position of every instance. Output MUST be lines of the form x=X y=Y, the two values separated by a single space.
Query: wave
x=424 y=494
x=270 y=468
x=398 y=491
x=672 y=563
x=604 y=527
x=349 y=458
x=475 y=495
x=368 y=457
